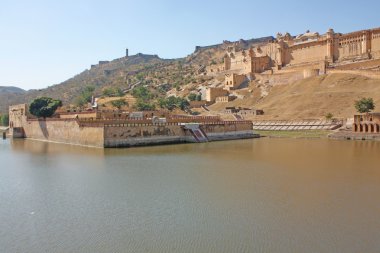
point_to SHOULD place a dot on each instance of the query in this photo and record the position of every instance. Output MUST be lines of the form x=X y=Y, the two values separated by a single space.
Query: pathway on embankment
x=283 y=125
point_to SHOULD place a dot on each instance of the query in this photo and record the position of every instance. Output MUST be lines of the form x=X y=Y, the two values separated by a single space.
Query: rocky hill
x=10 y=95
x=11 y=90
x=126 y=72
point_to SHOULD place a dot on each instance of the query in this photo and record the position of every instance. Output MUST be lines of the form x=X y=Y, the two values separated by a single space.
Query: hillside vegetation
x=147 y=81
x=162 y=76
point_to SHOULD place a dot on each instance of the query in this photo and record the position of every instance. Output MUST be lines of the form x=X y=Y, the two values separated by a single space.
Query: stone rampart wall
x=375 y=45
x=125 y=135
x=122 y=133
x=304 y=54
x=351 y=49
x=64 y=131
x=140 y=135
x=17 y=115
x=227 y=126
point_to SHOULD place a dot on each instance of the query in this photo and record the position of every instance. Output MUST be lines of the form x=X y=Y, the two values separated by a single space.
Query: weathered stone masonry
x=123 y=133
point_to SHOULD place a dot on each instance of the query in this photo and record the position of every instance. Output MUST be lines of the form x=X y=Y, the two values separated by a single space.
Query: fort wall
x=306 y=53
x=310 y=73
x=233 y=81
x=140 y=135
x=144 y=134
x=79 y=115
x=305 y=49
x=125 y=133
x=64 y=131
x=375 y=44
x=228 y=130
x=213 y=93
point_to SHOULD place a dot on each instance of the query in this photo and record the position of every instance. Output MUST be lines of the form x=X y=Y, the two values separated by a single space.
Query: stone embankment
x=281 y=125
x=100 y=133
x=350 y=135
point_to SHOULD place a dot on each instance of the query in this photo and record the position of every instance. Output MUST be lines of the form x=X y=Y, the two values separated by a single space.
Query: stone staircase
x=196 y=132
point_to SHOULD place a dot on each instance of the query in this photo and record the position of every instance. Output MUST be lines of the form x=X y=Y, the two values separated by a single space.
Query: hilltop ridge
x=11 y=89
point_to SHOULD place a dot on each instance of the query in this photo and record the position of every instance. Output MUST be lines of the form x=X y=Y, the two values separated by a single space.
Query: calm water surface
x=262 y=195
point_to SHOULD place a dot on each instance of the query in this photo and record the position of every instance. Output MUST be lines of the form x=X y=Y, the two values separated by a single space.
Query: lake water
x=260 y=195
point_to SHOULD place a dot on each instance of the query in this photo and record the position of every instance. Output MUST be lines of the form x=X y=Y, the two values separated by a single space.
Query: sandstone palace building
x=309 y=48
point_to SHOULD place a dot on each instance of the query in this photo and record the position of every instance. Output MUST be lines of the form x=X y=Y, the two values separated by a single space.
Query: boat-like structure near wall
x=110 y=129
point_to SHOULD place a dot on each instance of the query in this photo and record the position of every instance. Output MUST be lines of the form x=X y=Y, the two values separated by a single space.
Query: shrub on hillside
x=172 y=102
x=142 y=92
x=144 y=106
x=329 y=116
x=85 y=96
x=119 y=103
x=192 y=97
x=113 y=92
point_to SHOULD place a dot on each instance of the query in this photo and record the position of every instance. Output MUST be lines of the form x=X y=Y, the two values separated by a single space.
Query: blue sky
x=45 y=42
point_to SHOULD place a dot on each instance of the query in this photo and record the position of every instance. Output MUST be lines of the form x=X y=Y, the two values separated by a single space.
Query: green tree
x=111 y=92
x=140 y=76
x=364 y=105
x=142 y=92
x=141 y=105
x=119 y=92
x=107 y=92
x=199 y=97
x=119 y=103
x=4 y=120
x=85 y=96
x=173 y=102
x=44 y=106
x=192 y=97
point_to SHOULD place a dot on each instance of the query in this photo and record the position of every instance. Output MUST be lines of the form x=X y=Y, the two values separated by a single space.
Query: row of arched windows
x=367 y=128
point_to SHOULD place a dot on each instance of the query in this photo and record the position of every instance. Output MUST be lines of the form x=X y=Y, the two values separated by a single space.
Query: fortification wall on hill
x=305 y=49
x=306 y=54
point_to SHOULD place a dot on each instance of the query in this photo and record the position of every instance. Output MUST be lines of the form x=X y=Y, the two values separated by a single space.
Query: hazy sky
x=45 y=42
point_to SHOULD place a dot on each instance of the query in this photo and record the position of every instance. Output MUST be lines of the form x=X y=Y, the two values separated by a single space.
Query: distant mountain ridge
x=11 y=89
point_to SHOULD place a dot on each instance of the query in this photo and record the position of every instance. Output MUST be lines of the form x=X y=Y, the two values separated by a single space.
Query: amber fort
x=311 y=48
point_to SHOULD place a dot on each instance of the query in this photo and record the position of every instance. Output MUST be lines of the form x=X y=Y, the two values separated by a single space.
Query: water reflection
x=267 y=195
x=48 y=148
